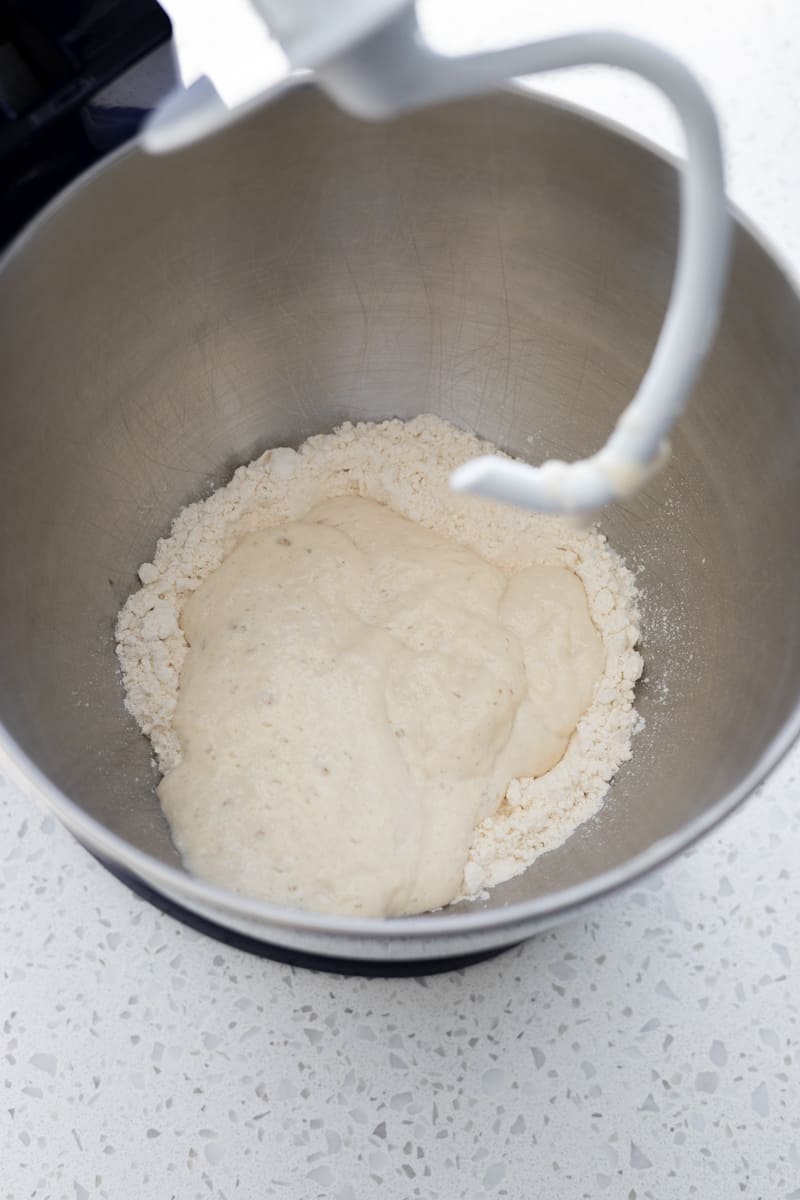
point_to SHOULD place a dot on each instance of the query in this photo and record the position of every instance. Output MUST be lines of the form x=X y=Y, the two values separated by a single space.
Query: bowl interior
x=504 y=263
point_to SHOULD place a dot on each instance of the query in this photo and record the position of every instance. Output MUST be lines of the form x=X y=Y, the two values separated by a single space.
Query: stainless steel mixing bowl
x=502 y=262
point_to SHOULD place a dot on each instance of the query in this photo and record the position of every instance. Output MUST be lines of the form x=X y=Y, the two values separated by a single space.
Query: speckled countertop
x=649 y=1052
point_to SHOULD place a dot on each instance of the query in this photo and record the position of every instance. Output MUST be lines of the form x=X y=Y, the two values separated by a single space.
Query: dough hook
x=371 y=57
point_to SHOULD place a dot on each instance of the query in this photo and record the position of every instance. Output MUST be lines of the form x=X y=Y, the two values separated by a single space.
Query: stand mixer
x=372 y=59
x=504 y=263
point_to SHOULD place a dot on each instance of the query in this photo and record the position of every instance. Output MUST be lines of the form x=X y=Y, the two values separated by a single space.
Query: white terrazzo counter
x=648 y=1052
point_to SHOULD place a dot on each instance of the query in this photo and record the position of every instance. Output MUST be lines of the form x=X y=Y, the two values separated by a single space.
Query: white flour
x=406 y=466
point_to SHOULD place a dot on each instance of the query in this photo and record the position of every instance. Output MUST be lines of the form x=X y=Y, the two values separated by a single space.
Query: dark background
x=58 y=60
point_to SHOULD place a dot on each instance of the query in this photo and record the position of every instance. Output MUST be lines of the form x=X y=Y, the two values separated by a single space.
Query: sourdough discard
x=404 y=466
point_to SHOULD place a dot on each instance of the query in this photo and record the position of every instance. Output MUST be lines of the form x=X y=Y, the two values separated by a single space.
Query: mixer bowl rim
x=96 y=836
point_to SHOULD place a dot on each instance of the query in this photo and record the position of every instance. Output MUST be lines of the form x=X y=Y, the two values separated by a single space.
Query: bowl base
x=370 y=968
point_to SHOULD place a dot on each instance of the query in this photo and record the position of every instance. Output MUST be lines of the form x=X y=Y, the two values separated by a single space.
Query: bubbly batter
x=358 y=694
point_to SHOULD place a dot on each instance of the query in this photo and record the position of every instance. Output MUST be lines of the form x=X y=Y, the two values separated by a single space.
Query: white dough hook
x=372 y=59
